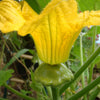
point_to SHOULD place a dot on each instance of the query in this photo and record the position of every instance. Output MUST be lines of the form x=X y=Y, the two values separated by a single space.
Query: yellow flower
x=54 y=30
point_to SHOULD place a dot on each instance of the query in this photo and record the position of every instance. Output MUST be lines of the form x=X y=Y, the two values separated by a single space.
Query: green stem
x=81 y=57
x=49 y=91
x=94 y=94
x=55 y=93
x=81 y=70
x=87 y=74
x=86 y=89
x=90 y=73
x=93 y=49
x=13 y=45
x=94 y=37
x=44 y=92
x=2 y=54
x=18 y=93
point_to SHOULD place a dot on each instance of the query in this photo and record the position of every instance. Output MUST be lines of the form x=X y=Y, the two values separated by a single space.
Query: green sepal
x=53 y=75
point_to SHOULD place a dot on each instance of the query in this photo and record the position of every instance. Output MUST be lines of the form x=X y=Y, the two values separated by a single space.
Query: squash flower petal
x=56 y=28
x=10 y=16
x=29 y=15
x=90 y=18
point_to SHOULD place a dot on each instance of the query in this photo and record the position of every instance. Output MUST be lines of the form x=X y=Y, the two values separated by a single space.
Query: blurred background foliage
x=11 y=44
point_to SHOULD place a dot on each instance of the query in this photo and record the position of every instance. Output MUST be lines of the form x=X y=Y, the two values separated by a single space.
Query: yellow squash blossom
x=54 y=30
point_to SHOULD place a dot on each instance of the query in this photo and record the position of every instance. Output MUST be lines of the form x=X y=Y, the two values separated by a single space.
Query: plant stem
x=13 y=45
x=86 y=89
x=79 y=72
x=87 y=74
x=55 y=93
x=93 y=49
x=94 y=94
x=81 y=57
x=49 y=91
x=90 y=73
x=1 y=55
x=18 y=93
x=44 y=92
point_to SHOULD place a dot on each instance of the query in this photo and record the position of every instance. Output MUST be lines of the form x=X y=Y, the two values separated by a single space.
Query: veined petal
x=56 y=28
x=69 y=8
x=90 y=18
x=27 y=12
x=53 y=35
x=30 y=16
x=10 y=16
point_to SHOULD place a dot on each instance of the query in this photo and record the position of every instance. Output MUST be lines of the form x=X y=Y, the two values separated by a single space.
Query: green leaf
x=5 y=75
x=91 y=31
x=89 y=5
x=34 y=4
x=76 y=48
x=15 y=57
x=38 y=5
x=43 y=3
x=97 y=4
x=86 y=5
x=75 y=66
